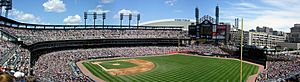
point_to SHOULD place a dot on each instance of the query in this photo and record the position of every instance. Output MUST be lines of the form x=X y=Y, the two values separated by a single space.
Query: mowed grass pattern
x=122 y=64
x=181 y=68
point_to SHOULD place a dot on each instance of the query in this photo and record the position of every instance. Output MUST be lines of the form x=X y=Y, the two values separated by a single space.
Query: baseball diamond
x=178 y=68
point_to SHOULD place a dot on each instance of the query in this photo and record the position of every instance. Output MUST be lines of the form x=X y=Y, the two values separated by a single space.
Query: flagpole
x=241 y=55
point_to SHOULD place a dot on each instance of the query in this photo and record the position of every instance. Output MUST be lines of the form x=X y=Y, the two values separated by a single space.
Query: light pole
x=85 y=17
x=103 y=17
x=130 y=15
x=121 y=19
x=6 y=11
x=7 y=4
x=138 y=20
x=94 y=17
x=130 y=18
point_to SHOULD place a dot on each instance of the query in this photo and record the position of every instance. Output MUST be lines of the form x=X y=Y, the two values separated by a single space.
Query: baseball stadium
x=176 y=50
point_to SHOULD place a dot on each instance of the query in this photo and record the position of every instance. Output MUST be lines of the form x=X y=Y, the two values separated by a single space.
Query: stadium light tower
x=103 y=17
x=130 y=18
x=138 y=20
x=7 y=8
x=85 y=17
x=7 y=4
x=130 y=15
x=95 y=17
x=121 y=19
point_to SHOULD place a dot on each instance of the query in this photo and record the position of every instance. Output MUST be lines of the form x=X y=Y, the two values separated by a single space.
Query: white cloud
x=76 y=19
x=106 y=1
x=246 y=5
x=99 y=10
x=170 y=2
x=126 y=12
x=54 y=6
x=278 y=14
x=24 y=17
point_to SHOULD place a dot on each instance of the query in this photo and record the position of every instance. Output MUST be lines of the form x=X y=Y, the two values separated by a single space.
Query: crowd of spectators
x=205 y=49
x=18 y=77
x=48 y=66
x=229 y=47
x=281 y=57
x=30 y=36
x=5 y=47
x=19 y=61
x=16 y=58
x=59 y=66
x=280 y=68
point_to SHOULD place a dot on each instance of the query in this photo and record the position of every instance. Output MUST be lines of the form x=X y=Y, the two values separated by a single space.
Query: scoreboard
x=206 y=29
x=203 y=30
x=209 y=31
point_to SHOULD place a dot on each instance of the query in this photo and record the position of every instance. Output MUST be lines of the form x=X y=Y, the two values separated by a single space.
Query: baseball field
x=169 y=68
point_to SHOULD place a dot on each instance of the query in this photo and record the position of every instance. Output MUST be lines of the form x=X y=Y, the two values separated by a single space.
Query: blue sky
x=278 y=14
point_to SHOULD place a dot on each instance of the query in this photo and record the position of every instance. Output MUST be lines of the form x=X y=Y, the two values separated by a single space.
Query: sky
x=277 y=14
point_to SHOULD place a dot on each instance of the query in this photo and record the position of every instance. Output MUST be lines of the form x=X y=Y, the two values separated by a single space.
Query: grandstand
x=38 y=51
x=20 y=38
x=281 y=67
x=41 y=50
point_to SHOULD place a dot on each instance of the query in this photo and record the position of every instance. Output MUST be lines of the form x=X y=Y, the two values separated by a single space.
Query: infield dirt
x=143 y=66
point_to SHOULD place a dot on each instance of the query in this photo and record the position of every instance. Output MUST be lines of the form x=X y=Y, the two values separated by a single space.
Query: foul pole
x=241 y=56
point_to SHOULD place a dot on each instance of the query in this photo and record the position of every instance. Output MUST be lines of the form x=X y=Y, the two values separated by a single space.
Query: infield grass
x=182 y=68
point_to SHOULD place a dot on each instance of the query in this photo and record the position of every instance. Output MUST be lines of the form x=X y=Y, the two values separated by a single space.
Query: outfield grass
x=123 y=64
x=181 y=68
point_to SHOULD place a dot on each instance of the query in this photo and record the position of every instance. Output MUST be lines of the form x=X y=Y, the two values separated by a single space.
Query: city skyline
x=280 y=13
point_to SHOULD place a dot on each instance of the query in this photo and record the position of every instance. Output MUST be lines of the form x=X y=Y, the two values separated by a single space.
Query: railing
x=7 y=37
x=12 y=23
x=7 y=55
x=4 y=35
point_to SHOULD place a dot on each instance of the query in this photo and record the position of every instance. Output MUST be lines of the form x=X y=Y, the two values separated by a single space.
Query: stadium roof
x=170 y=22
